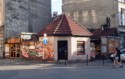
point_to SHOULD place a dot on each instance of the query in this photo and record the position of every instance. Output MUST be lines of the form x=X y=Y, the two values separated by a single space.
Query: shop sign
x=103 y=49
x=26 y=37
x=14 y=40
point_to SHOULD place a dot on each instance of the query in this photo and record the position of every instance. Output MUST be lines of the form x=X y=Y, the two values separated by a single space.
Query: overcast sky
x=56 y=6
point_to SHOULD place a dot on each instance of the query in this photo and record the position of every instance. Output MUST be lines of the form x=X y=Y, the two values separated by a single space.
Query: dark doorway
x=97 y=46
x=62 y=50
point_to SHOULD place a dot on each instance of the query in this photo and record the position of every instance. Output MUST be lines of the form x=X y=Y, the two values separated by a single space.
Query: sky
x=57 y=6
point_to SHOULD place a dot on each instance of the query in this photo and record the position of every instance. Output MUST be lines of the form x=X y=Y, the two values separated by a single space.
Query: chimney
x=55 y=14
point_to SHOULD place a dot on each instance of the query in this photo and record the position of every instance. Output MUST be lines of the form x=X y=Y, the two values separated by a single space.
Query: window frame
x=80 y=47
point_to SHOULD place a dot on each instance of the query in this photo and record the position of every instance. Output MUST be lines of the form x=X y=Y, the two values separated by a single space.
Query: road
x=59 y=71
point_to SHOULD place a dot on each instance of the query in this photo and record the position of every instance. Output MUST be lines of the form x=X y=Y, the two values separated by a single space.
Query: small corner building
x=67 y=39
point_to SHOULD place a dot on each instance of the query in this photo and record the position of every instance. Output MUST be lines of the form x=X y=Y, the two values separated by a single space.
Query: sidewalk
x=7 y=62
x=24 y=69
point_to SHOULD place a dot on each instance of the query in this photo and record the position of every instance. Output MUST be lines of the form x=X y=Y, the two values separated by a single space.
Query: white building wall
x=72 y=47
x=74 y=55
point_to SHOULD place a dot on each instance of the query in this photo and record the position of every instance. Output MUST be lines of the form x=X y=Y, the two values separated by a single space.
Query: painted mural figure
x=38 y=50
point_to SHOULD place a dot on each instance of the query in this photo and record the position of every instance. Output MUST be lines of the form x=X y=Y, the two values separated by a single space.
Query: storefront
x=28 y=47
x=33 y=49
x=12 y=48
x=108 y=44
x=103 y=41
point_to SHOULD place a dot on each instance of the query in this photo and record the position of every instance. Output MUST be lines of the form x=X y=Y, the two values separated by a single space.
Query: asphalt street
x=10 y=69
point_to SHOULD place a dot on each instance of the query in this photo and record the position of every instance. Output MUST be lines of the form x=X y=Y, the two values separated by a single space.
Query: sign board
x=45 y=40
x=13 y=40
x=103 y=49
x=26 y=37
x=112 y=43
x=103 y=44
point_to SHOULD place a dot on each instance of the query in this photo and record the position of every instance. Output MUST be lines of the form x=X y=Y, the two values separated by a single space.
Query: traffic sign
x=45 y=40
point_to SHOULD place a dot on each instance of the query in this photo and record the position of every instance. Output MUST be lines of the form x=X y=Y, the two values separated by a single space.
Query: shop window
x=81 y=48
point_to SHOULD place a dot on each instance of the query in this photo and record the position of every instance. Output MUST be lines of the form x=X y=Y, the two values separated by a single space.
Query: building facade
x=98 y=13
x=1 y=12
x=1 y=28
x=69 y=40
x=92 y=13
x=26 y=16
x=121 y=14
x=18 y=16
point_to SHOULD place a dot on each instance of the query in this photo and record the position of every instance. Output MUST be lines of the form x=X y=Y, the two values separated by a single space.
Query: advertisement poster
x=112 y=44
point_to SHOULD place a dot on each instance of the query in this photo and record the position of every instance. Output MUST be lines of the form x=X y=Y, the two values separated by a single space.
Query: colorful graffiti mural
x=37 y=50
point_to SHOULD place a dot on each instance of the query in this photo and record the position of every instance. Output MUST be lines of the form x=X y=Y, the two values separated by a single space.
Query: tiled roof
x=97 y=33
x=64 y=25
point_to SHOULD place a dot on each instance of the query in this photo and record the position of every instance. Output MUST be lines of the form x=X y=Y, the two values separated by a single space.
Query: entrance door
x=14 y=50
x=62 y=50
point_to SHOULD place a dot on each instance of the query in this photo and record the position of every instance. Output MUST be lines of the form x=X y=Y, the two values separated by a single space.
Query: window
x=122 y=1
x=81 y=48
x=122 y=17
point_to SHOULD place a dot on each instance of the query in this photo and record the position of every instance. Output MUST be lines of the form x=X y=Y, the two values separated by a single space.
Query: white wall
x=72 y=47
x=73 y=55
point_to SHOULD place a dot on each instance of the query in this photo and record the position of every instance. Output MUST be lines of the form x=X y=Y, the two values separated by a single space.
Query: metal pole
x=87 y=59
x=65 y=62
x=65 y=58
x=103 y=59
x=43 y=55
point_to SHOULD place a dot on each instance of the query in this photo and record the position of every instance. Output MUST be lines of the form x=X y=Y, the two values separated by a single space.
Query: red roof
x=64 y=25
x=97 y=33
